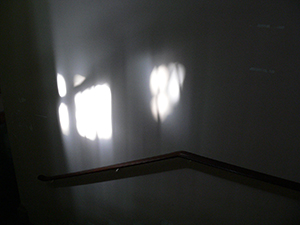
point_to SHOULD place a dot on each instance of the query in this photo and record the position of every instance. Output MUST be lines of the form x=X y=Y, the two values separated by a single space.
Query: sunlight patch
x=61 y=85
x=63 y=113
x=93 y=112
x=165 y=85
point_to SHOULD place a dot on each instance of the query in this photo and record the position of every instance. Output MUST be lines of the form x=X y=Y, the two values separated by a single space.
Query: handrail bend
x=166 y=161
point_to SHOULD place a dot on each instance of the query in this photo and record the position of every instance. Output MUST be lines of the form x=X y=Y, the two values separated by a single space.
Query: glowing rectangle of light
x=64 y=118
x=93 y=112
x=61 y=85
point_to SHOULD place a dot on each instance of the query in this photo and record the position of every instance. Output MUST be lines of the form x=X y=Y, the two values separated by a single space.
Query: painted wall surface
x=239 y=104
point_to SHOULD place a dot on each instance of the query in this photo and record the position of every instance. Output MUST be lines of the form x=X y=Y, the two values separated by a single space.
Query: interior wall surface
x=239 y=103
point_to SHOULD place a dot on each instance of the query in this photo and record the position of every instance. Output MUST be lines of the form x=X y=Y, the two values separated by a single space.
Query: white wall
x=228 y=111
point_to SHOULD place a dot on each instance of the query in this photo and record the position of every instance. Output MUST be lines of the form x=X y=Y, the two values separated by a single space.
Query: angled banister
x=167 y=162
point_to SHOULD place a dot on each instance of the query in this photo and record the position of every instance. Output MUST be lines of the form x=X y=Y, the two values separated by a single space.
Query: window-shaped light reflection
x=93 y=112
x=61 y=85
x=63 y=113
x=165 y=85
x=78 y=79
x=174 y=88
x=159 y=79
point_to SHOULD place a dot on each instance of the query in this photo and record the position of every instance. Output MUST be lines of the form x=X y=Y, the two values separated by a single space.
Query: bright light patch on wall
x=78 y=79
x=61 y=85
x=165 y=85
x=93 y=112
x=63 y=113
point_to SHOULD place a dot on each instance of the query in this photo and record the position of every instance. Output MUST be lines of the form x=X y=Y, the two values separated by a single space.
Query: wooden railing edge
x=190 y=157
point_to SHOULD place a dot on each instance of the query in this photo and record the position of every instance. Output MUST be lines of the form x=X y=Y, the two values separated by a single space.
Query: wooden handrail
x=171 y=161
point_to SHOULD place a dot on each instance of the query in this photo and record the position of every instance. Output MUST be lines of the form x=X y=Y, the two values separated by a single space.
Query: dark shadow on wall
x=28 y=83
x=10 y=207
